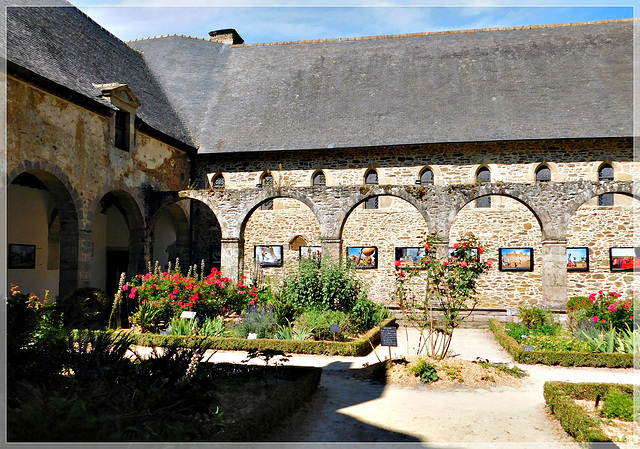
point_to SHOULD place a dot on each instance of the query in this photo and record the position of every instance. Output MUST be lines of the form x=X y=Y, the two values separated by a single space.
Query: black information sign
x=388 y=336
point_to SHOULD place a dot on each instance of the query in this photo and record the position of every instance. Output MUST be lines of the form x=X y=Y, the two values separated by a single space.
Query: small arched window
x=605 y=174
x=319 y=179
x=218 y=182
x=483 y=175
x=371 y=178
x=543 y=174
x=426 y=177
x=267 y=181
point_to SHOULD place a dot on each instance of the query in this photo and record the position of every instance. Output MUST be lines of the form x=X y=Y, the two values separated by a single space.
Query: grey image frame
x=22 y=256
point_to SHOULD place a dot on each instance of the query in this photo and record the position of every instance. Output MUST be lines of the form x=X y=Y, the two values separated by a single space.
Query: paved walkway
x=346 y=409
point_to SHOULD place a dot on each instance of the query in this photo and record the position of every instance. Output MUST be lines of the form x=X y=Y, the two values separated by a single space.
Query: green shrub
x=618 y=405
x=578 y=303
x=365 y=314
x=183 y=326
x=213 y=327
x=556 y=343
x=521 y=332
x=86 y=308
x=425 y=370
x=321 y=320
x=147 y=317
x=329 y=286
x=258 y=319
x=534 y=316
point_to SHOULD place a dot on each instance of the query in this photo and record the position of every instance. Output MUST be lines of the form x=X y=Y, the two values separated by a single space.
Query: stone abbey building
x=206 y=148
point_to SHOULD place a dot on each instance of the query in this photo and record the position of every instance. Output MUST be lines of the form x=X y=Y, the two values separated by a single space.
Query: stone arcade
x=124 y=153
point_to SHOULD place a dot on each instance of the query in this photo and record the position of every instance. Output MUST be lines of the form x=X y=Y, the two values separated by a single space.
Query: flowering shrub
x=171 y=293
x=451 y=287
x=610 y=310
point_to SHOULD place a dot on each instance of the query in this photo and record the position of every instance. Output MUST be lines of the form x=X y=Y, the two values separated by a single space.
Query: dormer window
x=126 y=103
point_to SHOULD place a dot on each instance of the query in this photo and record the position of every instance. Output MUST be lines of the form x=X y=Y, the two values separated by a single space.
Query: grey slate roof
x=511 y=84
x=65 y=46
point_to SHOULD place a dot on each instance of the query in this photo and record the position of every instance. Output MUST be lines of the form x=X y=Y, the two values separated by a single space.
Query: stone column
x=554 y=274
x=232 y=256
x=332 y=247
x=85 y=254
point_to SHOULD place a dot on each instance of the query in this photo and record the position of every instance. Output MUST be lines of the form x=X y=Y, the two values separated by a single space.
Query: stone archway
x=118 y=233
x=396 y=223
x=169 y=234
x=43 y=219
x=507 y=223
x=599 y=228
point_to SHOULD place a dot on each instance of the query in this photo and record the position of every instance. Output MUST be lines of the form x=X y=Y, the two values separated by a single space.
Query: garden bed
x=575 y=405
x=254 y=399
x=563 y=358
x=360 y=347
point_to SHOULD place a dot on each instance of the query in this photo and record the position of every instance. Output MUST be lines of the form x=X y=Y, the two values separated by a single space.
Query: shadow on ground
x=323 y=419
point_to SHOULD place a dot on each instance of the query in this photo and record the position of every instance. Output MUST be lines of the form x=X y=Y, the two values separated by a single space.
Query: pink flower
x=125 y=287
x=599 y=292
x=592 y=297
x=445 y=262
x=253 y=303
x=172 y=296
x=463 y=264
x=612 y=308
x=595 y=319
x=155 y=304
x=488 y=263
x=133 y=293
x=241 y=292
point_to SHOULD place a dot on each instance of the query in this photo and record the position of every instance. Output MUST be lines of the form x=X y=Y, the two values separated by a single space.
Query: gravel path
x=346 y=409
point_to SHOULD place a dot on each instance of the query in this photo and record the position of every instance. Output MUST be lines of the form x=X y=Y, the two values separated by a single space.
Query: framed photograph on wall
x=624 y=259
x=22 y=257
x=515 y=259
x=268 y=255
x=409 y=256
x=362 y=257
x=578 y=259
x=311 y=252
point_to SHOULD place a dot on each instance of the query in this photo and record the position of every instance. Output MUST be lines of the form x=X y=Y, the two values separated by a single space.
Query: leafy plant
x=258 y=319
x=213 y=327
x=534 y=316
x=320 y=322
x=365 y=314
x=454 y=372
x=556 y=343
x=618 y=404
x=183 y=326
x=147 y=317
x=289 y=332
x=425 y=370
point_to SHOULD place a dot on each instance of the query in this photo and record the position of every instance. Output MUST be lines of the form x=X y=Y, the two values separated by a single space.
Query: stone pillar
x=232 y=257
x=85 y=254
x=332 y=247
x=554 y=274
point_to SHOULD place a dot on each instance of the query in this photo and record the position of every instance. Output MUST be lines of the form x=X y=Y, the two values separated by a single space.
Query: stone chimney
x=227 y=36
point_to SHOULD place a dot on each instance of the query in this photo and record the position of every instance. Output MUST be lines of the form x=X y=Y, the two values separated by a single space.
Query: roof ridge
x=170 y=35
x=437 y=33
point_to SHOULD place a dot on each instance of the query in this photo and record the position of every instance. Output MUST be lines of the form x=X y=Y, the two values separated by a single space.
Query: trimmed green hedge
x=360 y=347
x=563 y=358
x=560 y=396
x=283 y=402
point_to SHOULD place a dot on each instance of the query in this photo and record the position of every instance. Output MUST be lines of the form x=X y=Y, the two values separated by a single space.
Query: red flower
x=480 y=250
x=463 y=264
x=426 y=246
x=456 y=246
x=445 y=262
x=398 y=263
x=465 y=244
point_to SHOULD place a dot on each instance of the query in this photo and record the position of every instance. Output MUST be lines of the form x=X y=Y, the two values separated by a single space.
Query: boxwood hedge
x=563 y=358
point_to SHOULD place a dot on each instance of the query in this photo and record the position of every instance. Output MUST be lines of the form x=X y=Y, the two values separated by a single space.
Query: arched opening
x=594 y=231
x=512 y=229
x=205 y=235
x=606 y=174
x=543 y=174
x=170 y=234
x=483 y=175
x=426 y=177
x=319 y=179
x=218 y=182
x=267 y=181
x=270 y=232
x=42 y=234
x=117 y=239
x=400 y=226
x=371 y=179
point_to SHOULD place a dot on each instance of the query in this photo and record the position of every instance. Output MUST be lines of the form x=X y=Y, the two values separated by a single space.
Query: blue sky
x=294 y=20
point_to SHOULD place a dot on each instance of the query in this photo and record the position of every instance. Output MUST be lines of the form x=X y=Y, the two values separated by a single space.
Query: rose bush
x=171 y=293
x=610 y=310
